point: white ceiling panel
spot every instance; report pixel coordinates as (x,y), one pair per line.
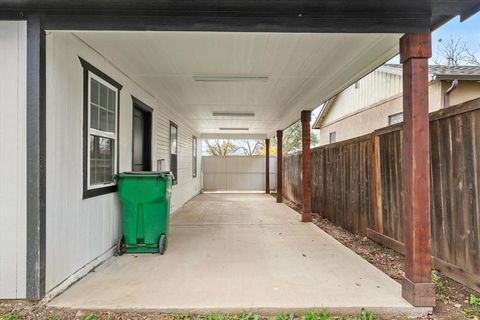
(303,71)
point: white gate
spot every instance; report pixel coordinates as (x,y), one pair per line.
(237,173)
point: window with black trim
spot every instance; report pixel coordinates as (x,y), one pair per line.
(173,151)
(101,108)
(194,156)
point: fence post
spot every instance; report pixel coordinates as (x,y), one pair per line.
(279,166)
(267,166)
(377,184)
(306,167)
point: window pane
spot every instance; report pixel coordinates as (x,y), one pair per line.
(94,91)
(102,107)
(93,157)
(103,124)
(173,140)
(101,160)
(395,118)
(111,122)
(103,96)
(333,137)
(111,100)
(194,147)
(108,172)
(94,117)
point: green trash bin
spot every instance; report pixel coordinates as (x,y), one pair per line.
(145,198)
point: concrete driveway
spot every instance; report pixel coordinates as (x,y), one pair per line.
(240,252)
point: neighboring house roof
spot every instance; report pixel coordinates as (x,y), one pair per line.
(441,72)
(436,72)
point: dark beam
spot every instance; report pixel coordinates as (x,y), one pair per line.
(367,16)
(267,166)
(36,160)
(417,286)
(306,117)
(279,166)
(232,23)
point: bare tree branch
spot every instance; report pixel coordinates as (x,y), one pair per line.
(455,51)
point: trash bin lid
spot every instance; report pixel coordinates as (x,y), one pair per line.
(146,172)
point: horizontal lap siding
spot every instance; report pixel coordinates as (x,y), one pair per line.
(78,231)
(186,186)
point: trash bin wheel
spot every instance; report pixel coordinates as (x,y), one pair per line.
(162,244)
(120,247)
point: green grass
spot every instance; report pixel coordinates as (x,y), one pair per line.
(474,309)
(367,258)
(440,286)
(364,315)
(91,316)
(324,315)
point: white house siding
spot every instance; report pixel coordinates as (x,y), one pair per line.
(12,159)
(78,231)
(374,87)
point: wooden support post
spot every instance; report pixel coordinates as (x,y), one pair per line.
(279,166)
(267,166)
(306,167)
(417,286)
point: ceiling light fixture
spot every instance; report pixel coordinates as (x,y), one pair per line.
(233,114)
(229,78)
(233,129)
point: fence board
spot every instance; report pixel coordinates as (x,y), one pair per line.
(454,176)
(340,183)
(292,180)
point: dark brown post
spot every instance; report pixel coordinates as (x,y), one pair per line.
(417,286)
(267,166)
(306,167)
(279,166)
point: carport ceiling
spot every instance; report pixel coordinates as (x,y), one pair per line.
(273,75)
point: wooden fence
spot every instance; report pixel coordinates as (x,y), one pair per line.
(357,184)
(292,181)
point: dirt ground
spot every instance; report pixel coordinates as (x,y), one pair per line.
(452,297)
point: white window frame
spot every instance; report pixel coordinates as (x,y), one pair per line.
(393,118)
(333,135)
(100,133)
